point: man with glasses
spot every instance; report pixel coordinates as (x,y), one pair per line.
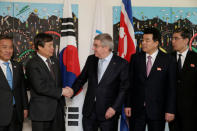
(186,114)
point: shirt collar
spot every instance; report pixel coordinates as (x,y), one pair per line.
(153,55)
(184,53)
(42,57)
(108,58)
(1,62)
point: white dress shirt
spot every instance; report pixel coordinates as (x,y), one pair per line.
(105,63)
(3,67)
(44,59)
(153,57)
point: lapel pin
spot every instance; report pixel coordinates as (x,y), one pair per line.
(158,68)
(14,66)
(192,65)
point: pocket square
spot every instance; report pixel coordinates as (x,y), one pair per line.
(192,65)
(158,69)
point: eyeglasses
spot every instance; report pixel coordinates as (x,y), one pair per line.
(176,38)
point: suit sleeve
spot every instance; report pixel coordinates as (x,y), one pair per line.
(171,92)
(124,85)
(23,89)
(128,100)
(82,78)
(39,84)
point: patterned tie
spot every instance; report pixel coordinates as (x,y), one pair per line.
(9,77)
(100,69)
(148,66)
(50,68)
(179,63)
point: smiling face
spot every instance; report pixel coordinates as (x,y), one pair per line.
(47,50)
(6,49)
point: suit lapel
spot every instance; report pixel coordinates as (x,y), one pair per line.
(4,80)
(109,69)
(155,64)
(143,61)
(14,70)
(43,65)
(187,60)
(96,69)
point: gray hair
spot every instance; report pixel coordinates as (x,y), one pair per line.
(106,40)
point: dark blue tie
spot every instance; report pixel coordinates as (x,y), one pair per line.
(9,77)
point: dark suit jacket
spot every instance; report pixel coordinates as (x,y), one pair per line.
(187,87)
(157,91)
(45,91)
(110,92)
(6,95)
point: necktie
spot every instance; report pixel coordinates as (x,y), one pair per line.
(50,68)
(100,69)
(179,62)
(148,66)
(9,77)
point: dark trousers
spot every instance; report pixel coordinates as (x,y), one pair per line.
(91,123)
(15,124)
(183,124)
(139,121)
(57,124)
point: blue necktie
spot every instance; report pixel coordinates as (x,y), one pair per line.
(9,77)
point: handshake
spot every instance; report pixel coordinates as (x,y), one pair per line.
(67,92)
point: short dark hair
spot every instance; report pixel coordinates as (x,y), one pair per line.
(155,32)
(185,33)
(2,37)
(41,38)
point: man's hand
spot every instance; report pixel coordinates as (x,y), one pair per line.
(67,92)
(25,113)
(169,117)
(109,113)
(127,111)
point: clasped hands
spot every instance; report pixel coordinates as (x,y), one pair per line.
(67,92)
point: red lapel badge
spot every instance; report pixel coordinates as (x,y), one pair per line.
(192,65)
(158,68)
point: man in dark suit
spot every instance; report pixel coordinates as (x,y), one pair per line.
(107,76)
(186,114)
(13,96)
(46,107)
(151,99)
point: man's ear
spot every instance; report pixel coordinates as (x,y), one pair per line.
(39,47)
(186,41)
(157,43)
